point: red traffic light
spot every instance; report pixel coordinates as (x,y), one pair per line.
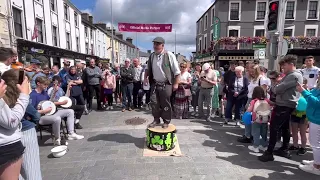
(274,6)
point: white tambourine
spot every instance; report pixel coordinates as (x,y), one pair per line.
(69,103)
(47,104)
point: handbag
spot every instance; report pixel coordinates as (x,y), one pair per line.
(187,92)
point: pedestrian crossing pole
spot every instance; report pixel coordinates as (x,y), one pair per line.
(275,45)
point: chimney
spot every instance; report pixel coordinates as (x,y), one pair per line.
(149,51)
(119,35)
(109,30)
(85,16)
(102,25)
(91,19)
(129,39)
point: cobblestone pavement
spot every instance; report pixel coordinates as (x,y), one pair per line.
(113,150)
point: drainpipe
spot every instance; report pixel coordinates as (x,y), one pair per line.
(9,19)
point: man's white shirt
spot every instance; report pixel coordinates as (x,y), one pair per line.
(311,74)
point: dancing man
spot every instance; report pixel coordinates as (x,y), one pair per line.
(164,74)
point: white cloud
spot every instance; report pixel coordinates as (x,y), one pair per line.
(183,14)
(89,11)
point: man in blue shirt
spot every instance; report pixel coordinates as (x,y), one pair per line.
(63,73)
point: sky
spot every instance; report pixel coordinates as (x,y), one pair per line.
(182,14)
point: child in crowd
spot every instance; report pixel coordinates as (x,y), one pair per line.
(299,123)
(109,86)
(261,112)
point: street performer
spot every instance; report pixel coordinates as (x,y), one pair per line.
(163,73)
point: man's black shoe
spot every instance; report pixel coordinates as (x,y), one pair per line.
(165,125)
(244,139)
(153,124)
(302,151)
(283,153)
(266,157)
(78,126)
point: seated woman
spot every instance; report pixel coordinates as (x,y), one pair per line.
(76,94)
(38,95)
(12,109)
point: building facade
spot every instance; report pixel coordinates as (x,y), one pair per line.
(49,30)
(101,44)
(245,18)
(4,28)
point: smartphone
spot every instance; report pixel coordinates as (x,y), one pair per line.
(21,76)
(203,77)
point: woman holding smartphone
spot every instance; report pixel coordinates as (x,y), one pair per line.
(12,110)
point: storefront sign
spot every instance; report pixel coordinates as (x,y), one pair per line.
(130,27)
(258,46)
(39,51)
(235,58)
(216,27)
(260,54)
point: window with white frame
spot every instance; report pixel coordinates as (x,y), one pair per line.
(212,15)
(289,32)
(200,44)
(86,31)
(87,48)
(53,5)
(234,11)
(258,31)
(16,13)
(68,43)
(290,9)
(78,44)
(201,26)
(312,12)
(234,31)
(211,35)
(205,22)
(66,12)
(76,19)
(54,36)
(261,10)
(198,26)
(205,42)
(40,37)
(311,30)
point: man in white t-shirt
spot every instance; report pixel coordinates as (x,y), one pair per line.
(311,72)
(208,78)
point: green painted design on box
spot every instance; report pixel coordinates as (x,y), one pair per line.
(157,140)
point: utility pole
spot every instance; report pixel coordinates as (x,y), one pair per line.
(175,41)
(275,45)
(281,30)
(112,53)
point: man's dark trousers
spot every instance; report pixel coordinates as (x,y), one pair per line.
(280,122)
(160,102)
(136,87)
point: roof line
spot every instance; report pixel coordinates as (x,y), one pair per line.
(210,6)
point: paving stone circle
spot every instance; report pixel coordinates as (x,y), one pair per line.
(135,121)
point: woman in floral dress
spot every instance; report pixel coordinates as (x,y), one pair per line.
(181,103)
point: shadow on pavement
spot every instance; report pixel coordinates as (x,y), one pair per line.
(120,138)
(224,142)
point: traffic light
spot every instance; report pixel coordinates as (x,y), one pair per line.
(273,16)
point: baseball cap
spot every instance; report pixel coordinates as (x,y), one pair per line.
(35,61)
(159,40)
(205,66)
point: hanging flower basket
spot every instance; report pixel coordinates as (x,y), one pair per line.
(301,40)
